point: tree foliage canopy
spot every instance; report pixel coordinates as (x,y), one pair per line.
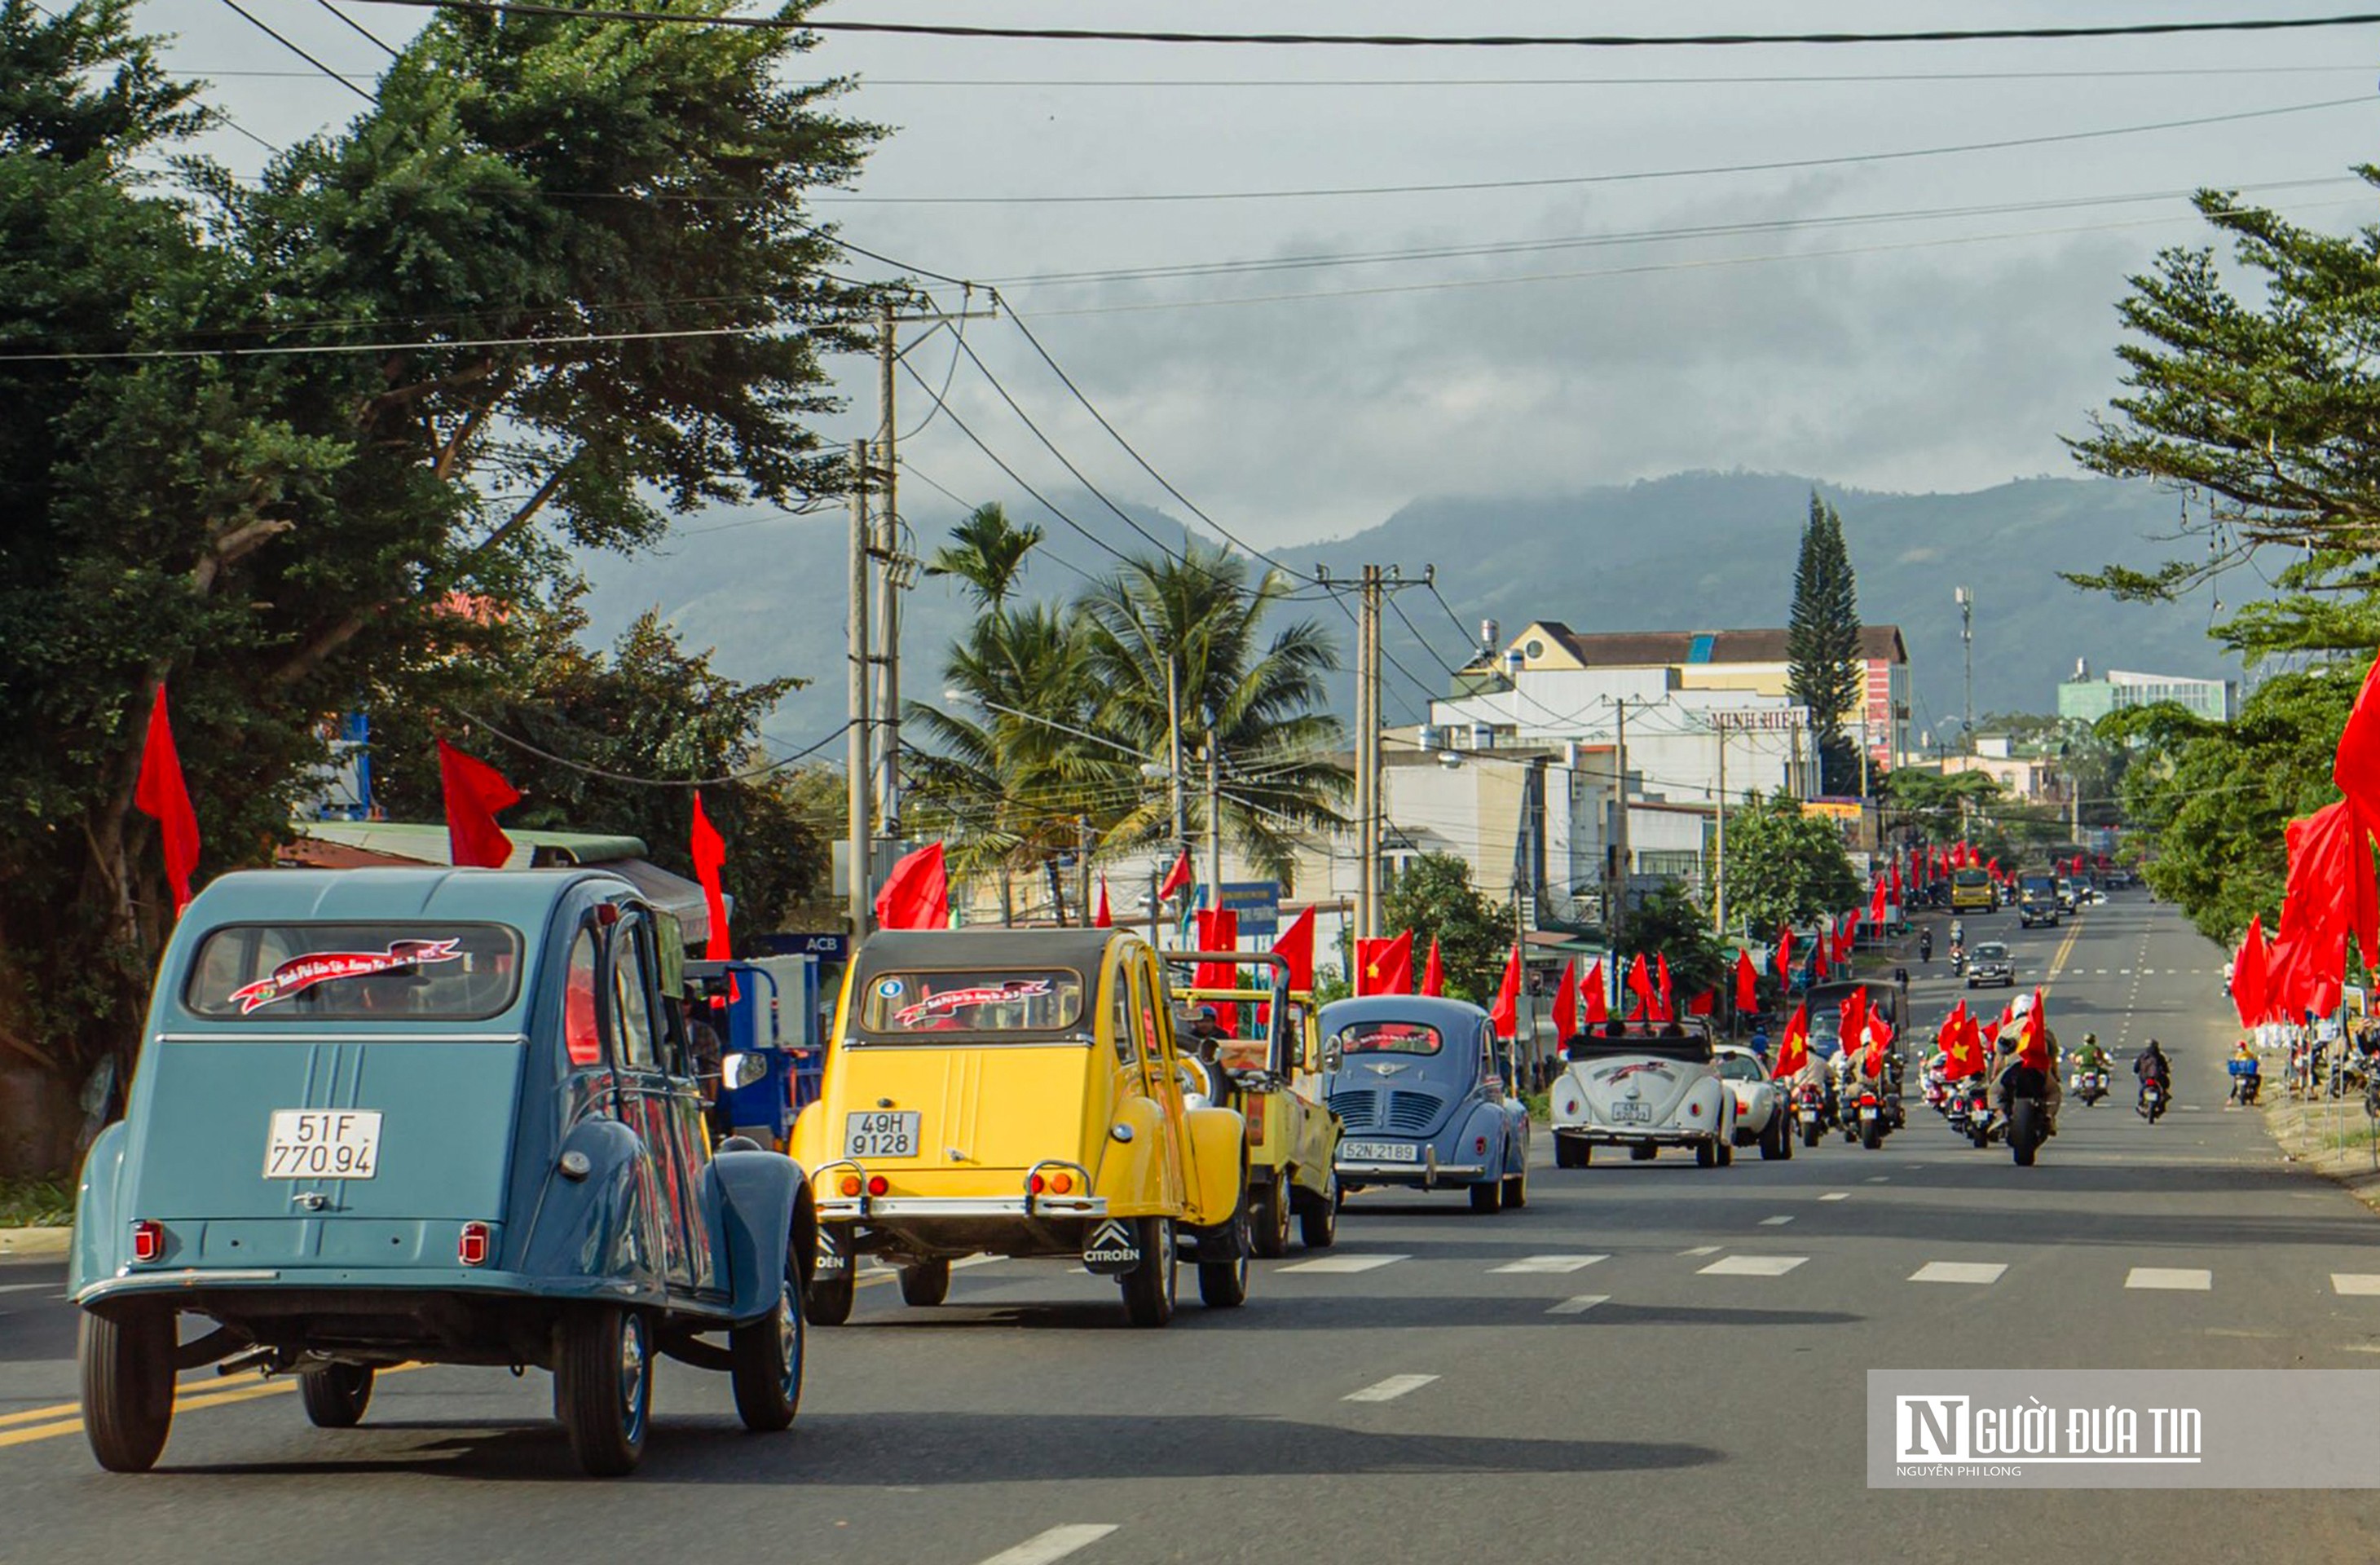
(1434,897)
(1786,867)
(1825,670)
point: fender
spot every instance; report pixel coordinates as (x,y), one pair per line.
(98,1226)
(596,1226)
(1216,1136)
(1486,1120)
(1129,1176)
(754,1194)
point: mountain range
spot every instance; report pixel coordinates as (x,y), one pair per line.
(1698,551)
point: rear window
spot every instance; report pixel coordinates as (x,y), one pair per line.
(1388,1037)
(439,972)
(1991,951)
(1039,1001)
(1736,1068)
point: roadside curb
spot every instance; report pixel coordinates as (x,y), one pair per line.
(2303,1130)
(35,1244)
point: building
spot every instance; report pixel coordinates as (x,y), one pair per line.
(2087,699)
(1740,661)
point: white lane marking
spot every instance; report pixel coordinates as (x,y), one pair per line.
(1836,1195)
(1752,1266)
(2236,1331)
(1703,1250)
(2360,1347)
(1549,1263)
(2182,1279)
(1879,1179)
(1774,1222)
(1581,1305)
(1347,1262)
(1388,1390)
(1981,1273)
(25,1287)
(1055,1544)
(2355,1284)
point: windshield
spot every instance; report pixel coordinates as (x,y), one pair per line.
(1388,1037)
(1736,1068)
(355,972)
(1970,878)
(1036,1001)
(1991,951)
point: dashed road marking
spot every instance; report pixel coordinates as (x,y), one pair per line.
(1345,1263)
(1879,1179)
(2355,1284)
(1980,1273)
(1055,1544)
(1774,1222)
(1533,1264)
(1752,1266)
(2179,1278)
(1836,1195)
(1388,1390)
(1581,1305)
(1703,1250)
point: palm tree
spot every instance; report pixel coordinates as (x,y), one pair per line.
(1183,669)
(987,553)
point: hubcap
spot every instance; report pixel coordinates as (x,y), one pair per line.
(789,1339)
(632,1376)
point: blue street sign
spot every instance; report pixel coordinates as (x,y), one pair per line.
(834,947)
(1256,901)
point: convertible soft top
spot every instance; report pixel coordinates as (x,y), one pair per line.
(1689,1042)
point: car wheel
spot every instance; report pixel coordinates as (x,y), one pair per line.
(827,1301)
(1488,1195)
(1705,1154)
(1317,1216)
(1569,1153)
(1726,1154)
(336,1395)
(1223,1285)
(926,1283)
(603,1387)
(1148,1287)
(1269,1232)
(1517,1188)
(127,1363)
(1774,1142)
(1643,1152)
(766,1360)
(1784,1138)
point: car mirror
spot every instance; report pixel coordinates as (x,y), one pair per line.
(744,1070)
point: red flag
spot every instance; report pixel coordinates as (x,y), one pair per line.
(1818,960)
(1785,955)
(1703,1004)
(1899,899)
(917,895)
(1219,929)
(2250,995)
(1854,1013)
(1669,1006)
(2033,1047)
(709,856)
(1963,1048)
(2356,768)
(163,796)
(1181,877)
(1875,907)
(1505,1015)
(1793,1054)
(1103,918)
(1566,1003)
(1433,972)
(1879,1043)
(1295,945)
(1747,984)
(475,791)
(1640,984)
(2331,887)
(1591,990)
(1385,966)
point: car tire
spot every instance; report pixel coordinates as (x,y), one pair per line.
(767,1357)
(828,1300)
(1148,1288)
(925,1284)
(603,1387)
(1569,1153)
(1223,1285)
(1705,1154)
(336,1395)
(1643,1152)
(1725,1153)
(1516,1187)
(1318,1216)
(1785,1138)
(127,1366)
(1488,1195)
(1775,1140)
(1269,1222)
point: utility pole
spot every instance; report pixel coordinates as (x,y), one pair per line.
(1718,872)
(1367,754)
(1966,601)
(888,548)
(861,878)
(1617,913)
(1214,821)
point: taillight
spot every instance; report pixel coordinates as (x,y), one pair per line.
(1256,1122)
(148,1240)
(877,1184)
(1061,1184)
(1035,1184)
(1867,1099)
(850,1185)
(471,1248)
(1480,1144)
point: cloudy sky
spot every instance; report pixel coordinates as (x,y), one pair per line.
(1884,315)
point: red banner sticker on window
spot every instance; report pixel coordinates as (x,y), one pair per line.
(302,973)
(951,1001)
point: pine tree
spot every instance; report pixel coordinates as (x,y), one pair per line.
(1825,671)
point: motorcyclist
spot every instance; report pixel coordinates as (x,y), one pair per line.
(2006,1070)
(2247,1071)
(1925,945)
(2151,1065)
(2090,1056)
(1958,931)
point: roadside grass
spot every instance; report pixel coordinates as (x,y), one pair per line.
(35,1203)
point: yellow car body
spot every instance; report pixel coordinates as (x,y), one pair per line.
(1017,1093)
(1274,1080)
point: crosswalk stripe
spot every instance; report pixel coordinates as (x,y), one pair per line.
(1581,1305)
(1054,1544)
(2355,1284)
(1981,1273)
(1703,1250)
(1345,1263)
(1836,1195)
(2179,1278)
(1529,1264)
(1752,1266)
(1388,1390)
(1774,1222)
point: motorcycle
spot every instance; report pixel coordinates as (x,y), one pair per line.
(2088,1085)
(1958,962)
(2247,1076)
(1811,1101)
(2028,1117)
(1873,1118)
(1975,1113)
(1926,947)
(2153,1101)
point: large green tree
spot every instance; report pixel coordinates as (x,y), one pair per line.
(1433,896)
(1785,866)
(1671,923)
(1825,670)
(555,282)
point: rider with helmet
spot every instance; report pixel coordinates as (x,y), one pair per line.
(2151,1065)
(2007,1065)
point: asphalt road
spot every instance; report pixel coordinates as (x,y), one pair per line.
(1651,1361)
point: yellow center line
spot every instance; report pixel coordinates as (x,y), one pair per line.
(188,1399)
(2065,949)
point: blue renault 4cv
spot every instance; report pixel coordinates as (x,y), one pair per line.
(385,1116)
(1427,1092)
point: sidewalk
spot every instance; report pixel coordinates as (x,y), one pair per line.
(2332,1136)
(35,1244)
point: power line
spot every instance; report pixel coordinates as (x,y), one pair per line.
(1576,180)
(1408,40)
(1307,83)
(301,53)
(366,34)
(520,744)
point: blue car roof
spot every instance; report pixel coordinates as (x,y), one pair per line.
(1447,1016)
(522,898)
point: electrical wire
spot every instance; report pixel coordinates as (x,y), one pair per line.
(366,34)
(1144,83)
(774,766)
(263,26)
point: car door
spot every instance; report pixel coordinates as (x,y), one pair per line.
(689,1131)
(1154,1026)
(636,1037)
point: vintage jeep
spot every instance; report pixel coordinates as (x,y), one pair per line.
(1426,1090)
(1018,1092)
(1266,1067)
(447,1116)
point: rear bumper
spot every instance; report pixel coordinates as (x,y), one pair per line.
(1633,1135)
(203,1285)
(895,1208)
(1424,1175)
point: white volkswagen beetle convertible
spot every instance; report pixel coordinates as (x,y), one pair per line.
(1763,1111)
(1643,1086)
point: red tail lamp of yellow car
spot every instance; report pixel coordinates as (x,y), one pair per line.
(850,1185)
(877,1184)
(1059,1183)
